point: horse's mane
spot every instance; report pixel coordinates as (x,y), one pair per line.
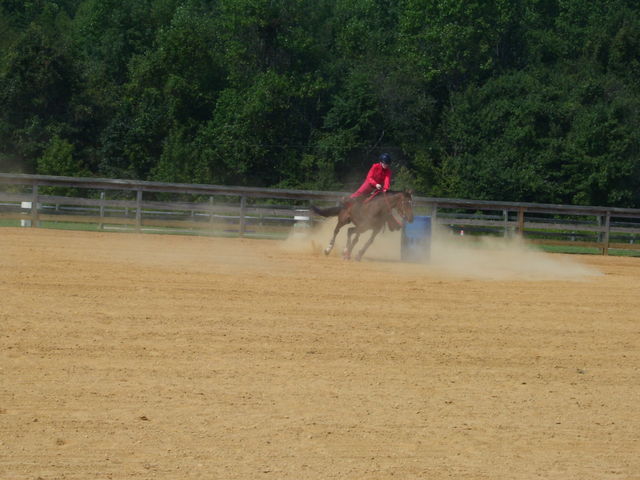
(380,197)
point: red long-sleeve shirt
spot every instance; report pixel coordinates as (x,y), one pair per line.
(377,175)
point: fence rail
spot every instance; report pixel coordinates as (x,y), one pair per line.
(39,200)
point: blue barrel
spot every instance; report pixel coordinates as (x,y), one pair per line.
(416,240)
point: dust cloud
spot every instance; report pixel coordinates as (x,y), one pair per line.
(479,257)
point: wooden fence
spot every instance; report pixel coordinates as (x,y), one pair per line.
(106,204)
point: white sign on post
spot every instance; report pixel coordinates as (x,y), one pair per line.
(25,206)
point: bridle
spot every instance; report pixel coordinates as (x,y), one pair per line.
(407,203)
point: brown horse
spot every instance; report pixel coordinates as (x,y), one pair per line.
(370,214)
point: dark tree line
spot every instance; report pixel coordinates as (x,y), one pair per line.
(522,100)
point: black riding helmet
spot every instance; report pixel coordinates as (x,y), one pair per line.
(385,158)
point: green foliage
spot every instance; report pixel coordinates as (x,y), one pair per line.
(37,83)
(533,100)
(456,42)
(555,138)
(243,142)
(58,159)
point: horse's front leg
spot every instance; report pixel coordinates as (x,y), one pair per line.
(351,241)
(368,244)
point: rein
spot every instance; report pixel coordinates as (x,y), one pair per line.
(372,196)
(384,195)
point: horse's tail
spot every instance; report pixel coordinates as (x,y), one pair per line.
(326,212)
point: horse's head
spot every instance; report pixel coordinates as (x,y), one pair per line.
(405,205)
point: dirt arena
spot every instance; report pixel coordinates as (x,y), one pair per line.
(127,356)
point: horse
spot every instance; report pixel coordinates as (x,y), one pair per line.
(370,214)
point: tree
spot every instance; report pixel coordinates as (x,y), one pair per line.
(36,88)
(533,136)
(58,159)
(256,134)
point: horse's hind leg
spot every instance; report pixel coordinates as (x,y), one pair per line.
(332,242)
(367,245)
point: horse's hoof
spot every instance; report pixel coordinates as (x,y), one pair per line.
(327,250)
(358,258)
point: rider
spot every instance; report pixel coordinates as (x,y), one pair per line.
(378,178)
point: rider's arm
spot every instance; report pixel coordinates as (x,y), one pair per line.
(370,176)
(387,181)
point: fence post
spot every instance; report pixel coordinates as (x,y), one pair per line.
(101,224)
(599,221)
(607,228)
(505,217)
(211,212)
(434,213)
(34,206)
(243,210)
(520,227)
(138,210)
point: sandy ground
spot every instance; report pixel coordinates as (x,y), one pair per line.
(167,357)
